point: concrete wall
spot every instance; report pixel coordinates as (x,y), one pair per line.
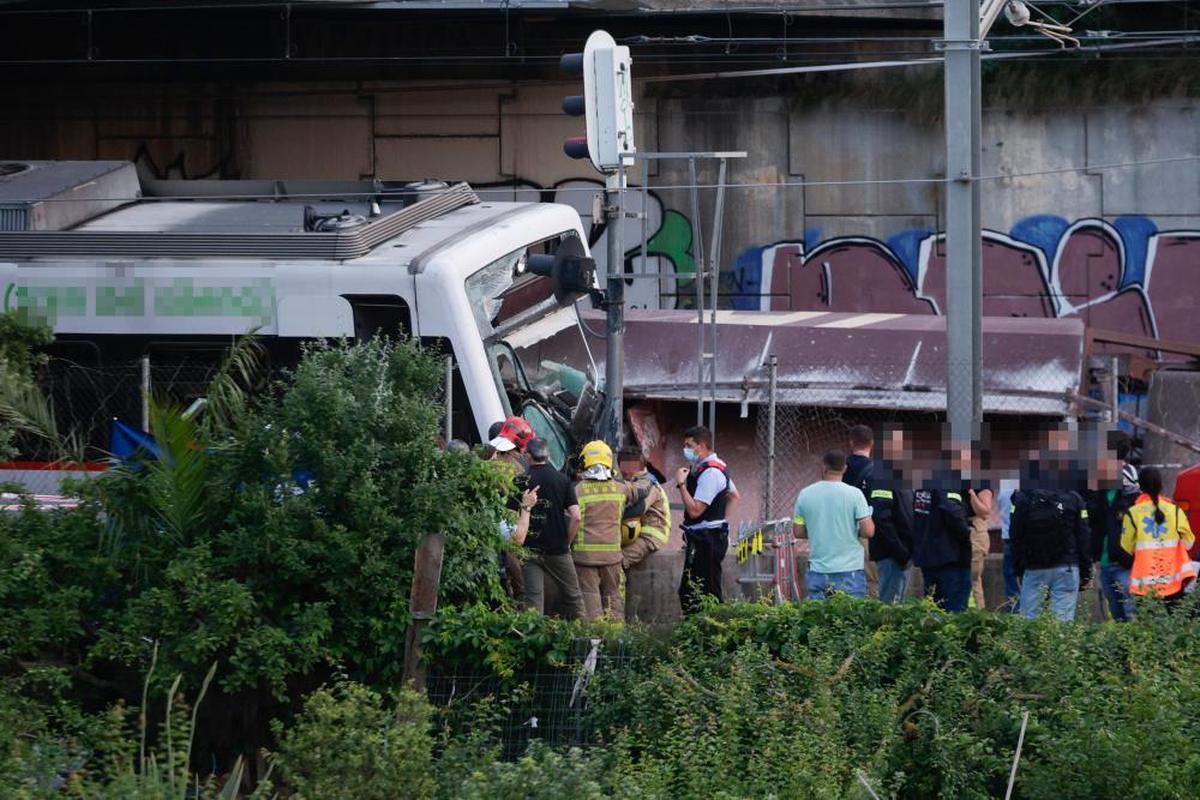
(1119,246)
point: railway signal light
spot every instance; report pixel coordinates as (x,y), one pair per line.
(606,103)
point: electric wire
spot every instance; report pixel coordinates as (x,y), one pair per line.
(785,184)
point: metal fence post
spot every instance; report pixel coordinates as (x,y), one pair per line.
(769,489)
(449,424)
(1114,390)
(145,394)
(698,262)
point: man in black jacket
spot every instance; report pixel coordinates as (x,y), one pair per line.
(1107,503)
(892,509)
(942,540)
(1051,545)
(859,474)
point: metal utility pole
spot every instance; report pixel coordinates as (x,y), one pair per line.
(964,249)
(614,362)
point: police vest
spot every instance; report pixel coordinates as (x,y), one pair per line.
(601,505)
(716,509)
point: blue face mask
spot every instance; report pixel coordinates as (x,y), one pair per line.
(689,455)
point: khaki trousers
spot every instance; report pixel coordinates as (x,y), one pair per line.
(560,570)
(601,588)
(981,543)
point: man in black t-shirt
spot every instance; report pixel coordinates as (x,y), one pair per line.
(859,471)
(552,528)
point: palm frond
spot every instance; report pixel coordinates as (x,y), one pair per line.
(23,408)
(230,389)
(178,480)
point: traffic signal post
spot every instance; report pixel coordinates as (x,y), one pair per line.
(607,107)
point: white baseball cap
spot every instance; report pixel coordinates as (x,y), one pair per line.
(502,445)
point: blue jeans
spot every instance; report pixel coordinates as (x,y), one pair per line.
(822,584)
(1012,587)
(950,587)
(1062,583)
(893,580)
(1114,586)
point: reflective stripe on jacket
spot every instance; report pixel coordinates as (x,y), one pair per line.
(1160,564)
(655,519)
(601,505)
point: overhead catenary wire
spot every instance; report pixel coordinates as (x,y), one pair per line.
(591,189)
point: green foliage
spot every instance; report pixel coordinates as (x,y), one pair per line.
(793,701)
(44,754)
(22,407)
(541,774)
(478,639)
(289,543)
(352,744)
(277,542)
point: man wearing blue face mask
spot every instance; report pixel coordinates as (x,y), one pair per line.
(708,494)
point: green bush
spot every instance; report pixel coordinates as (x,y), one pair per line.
(813,700)
(277,541)
(351,744)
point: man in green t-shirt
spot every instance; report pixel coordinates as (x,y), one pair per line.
(832,515)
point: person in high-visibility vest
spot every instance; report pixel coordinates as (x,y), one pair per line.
(597,548)
(1158,535)
(647,525)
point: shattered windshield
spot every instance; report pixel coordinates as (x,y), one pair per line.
(510,304)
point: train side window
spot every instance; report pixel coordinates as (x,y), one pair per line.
(374,314)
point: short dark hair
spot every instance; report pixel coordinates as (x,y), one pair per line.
(861,436)
(834,460)
(494,430)
(538,449)
(631,454)
(699,434)
(1121,442)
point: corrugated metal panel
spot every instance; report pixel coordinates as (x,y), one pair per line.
(839,360)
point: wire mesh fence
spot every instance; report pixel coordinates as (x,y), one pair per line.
(799,420)
(553,705)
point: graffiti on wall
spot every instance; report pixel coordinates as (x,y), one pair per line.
(1124,275)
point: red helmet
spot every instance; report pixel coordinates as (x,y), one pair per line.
(514,433)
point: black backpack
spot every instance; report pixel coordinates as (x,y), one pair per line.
(1045,532)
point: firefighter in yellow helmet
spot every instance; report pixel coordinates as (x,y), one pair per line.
(597,548)
(647,525)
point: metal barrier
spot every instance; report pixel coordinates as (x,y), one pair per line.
(767,555)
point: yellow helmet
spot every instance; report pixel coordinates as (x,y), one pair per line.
(597,452)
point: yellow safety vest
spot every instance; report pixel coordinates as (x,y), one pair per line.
(1160,559)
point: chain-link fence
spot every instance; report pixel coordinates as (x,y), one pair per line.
(553,705)
(88,399)
(797,421)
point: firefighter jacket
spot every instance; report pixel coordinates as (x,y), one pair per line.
(601,508)
(1160,558)
(651,517)
(941,533)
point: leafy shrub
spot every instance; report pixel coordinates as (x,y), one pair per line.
(541,774)
(277,541)
(351,744)
(480,640)
(813,700)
